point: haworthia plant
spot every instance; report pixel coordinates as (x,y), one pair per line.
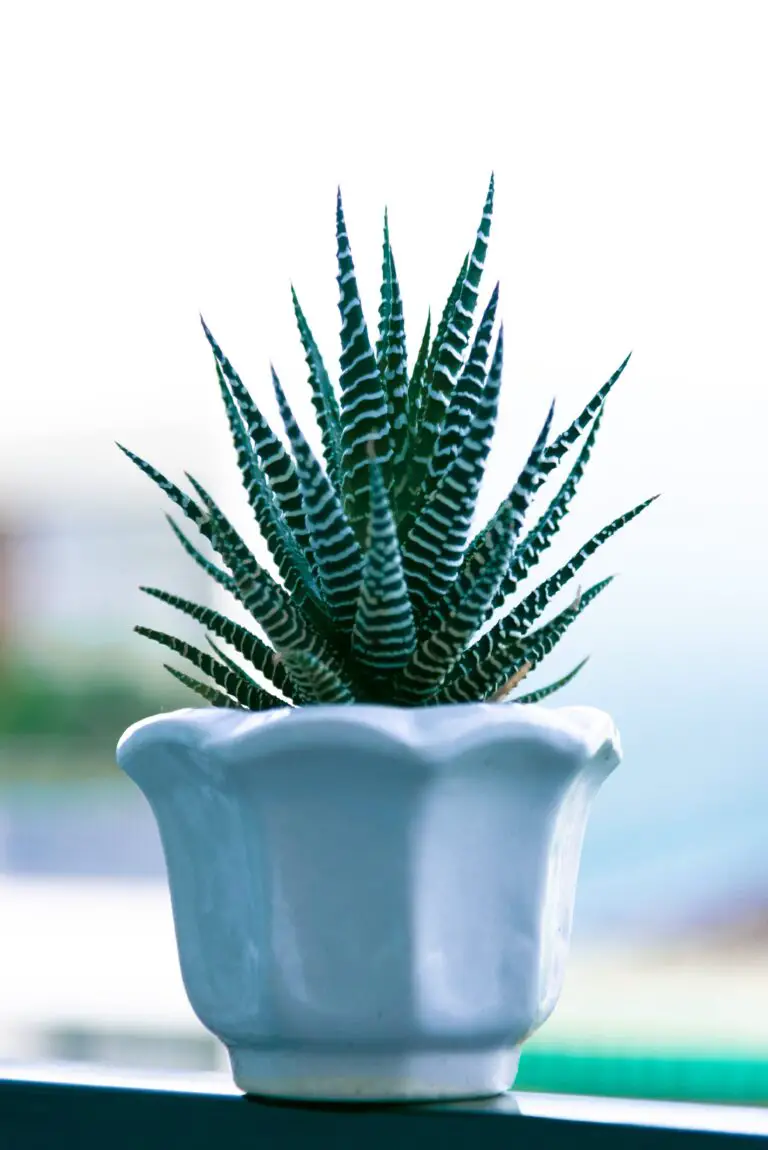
(380,595)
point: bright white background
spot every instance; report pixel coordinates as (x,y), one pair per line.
(164,158)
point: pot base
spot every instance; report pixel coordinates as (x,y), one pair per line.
(360,1076)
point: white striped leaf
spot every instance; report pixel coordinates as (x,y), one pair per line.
(317,681)
(223,578)
(574,430)
(233,682)
(504,650)
(323,398)
(393,366)
(364,413)
(250,646)
(211,695)
(518,502)
(384,634)
(542,533)
(450,352)
(282,622)
(291,563)
(544,692)
(520,618)
(277,463)
(437,654)
(338,558)
(466,395)
(434,548)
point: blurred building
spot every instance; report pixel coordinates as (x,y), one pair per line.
(80,530)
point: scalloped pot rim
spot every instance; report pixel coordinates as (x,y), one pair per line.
(444,733)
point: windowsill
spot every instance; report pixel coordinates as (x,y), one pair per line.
(72,1101)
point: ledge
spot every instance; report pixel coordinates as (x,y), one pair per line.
(89,1107)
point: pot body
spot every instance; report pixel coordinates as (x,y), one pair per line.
(372,903)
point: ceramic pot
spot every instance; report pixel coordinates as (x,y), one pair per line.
(372,903)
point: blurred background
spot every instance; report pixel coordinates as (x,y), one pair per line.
(165,159)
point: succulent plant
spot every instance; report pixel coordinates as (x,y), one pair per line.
(381,594)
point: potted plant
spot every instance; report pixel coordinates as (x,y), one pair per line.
(372,844)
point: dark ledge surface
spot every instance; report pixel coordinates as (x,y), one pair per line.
(42,1106)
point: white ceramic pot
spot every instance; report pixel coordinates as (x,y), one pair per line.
(371,902)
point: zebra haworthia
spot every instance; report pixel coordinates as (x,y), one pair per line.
(379,594)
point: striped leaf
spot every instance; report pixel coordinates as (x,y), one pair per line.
(572,432)
(394,370)
(318,682)
(291,564)
(415,387)
(205,690)
(364,412)
(235,666)
(182,500)
(419,388)
(436,655)
(534,603)
(435,545)
(337,554)
(277,463)
(501,652)
(385,306)
(544,692)
(223,578)
(517,502)
(384,635)
(400,476)
(520,618)
(323,398)
(450,352)
(282,622)
(250,646)
(541,535)
(466,395)
(233,682)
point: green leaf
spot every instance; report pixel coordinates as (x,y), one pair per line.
(385,306)
(419,371)
(400,475)
(419,390)
(518,502)
(281,620)
(450,352)
(564,440)
(384,635)
(515,624)
(182,500)
(250,646)
(544,692)
(434,548)
(323,398)
(318,682)
(338,557)
(277,463)
(291,563)
(394,370)
(364,412)
(209,693)
(504,650)
(534,603)
(465,397)
(235,666)
(223,578)
(541,535)
(234,683)
(436,655)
